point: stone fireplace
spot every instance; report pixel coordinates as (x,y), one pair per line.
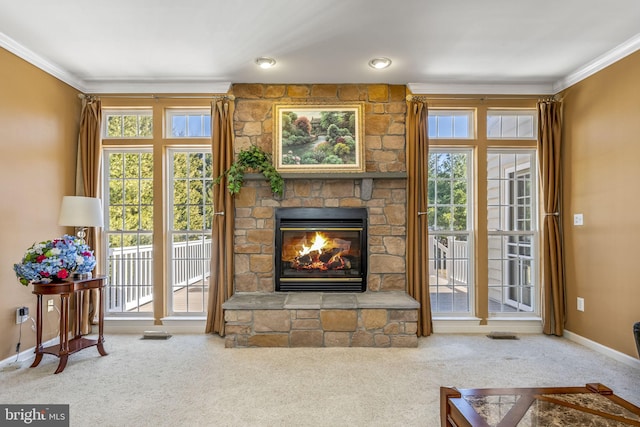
(363,305)
(321,249)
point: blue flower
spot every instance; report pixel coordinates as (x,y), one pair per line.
(55,259)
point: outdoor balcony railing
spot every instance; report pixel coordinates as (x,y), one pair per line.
(131,272)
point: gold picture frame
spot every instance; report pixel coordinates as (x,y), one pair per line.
(314,138)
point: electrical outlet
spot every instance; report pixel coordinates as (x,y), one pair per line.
(22,314)
(578,219)
(49,306)
(580,304)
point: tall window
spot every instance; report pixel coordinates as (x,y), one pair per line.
(191,214)
(128,191)
(157,188)
(450,231)
(482,210)
(512,230)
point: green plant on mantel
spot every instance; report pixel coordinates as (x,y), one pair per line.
(253,158)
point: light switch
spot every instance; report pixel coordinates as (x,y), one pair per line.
(577,219)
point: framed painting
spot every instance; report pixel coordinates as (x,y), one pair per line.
(318,138)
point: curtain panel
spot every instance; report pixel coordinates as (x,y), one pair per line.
(222,271)
(88,184)
(417,221)
(549,153)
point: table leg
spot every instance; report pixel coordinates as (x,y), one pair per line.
(101,322)
(64,323)
(63,363)
(38,349)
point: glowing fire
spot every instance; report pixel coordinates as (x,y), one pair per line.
(323,254)
(318,243)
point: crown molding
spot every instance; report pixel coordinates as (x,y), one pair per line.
(149,86)
(110,85)
(38,61)
(598,64)
(480,89)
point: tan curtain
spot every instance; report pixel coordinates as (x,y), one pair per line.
(221,278)
(417,222)
(89,153)
(549,152)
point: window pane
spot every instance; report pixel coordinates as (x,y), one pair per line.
(179,126)
(114,126)
(461,127)
(449,268)
(457,124)
(511,124)
(449,231)
(194,123)
(127,123)
(128,230)
(191,230)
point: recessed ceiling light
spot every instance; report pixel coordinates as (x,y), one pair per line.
(265,62)
(379,63)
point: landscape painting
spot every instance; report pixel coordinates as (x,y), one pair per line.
(318,138)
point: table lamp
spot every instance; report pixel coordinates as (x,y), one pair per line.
(80,212)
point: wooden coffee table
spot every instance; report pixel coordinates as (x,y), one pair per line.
(593,404)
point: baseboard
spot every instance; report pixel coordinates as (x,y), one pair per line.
(137,325)
(614,354)
(473,326)
(27,355)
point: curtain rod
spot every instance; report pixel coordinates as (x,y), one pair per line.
(425,98)
(151,96)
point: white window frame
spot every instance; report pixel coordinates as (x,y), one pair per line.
(534,233)
(106,112)
(469,233)
(171,232)
(119,310)
(170,113)
(470,113)
(518,112)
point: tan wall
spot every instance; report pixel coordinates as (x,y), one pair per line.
(38,133)
(601,154)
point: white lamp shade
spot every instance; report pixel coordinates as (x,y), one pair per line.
(78,211)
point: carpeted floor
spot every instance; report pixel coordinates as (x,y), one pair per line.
(192,380)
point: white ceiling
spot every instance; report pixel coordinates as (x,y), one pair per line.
(473,46)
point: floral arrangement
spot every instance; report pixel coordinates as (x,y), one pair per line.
(55,260)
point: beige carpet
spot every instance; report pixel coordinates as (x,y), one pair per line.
(192,380)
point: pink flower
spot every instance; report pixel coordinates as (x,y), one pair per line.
(40,258)
(63,274)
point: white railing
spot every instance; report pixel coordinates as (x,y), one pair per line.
(131,272)
(194,266)
(452,259)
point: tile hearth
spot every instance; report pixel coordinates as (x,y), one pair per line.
(319,319)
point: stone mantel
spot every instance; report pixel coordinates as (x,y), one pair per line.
(334,175)
(321,319)
(366,178)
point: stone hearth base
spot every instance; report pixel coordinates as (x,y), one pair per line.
(316,319)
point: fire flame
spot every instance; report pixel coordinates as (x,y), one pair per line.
(318,243)
(329,254)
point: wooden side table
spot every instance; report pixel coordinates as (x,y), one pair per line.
(78,342)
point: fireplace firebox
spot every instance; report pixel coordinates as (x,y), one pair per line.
(321,249)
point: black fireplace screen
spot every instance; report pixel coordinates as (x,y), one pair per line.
(321,249)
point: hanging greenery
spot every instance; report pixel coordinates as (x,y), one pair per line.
(253,158)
